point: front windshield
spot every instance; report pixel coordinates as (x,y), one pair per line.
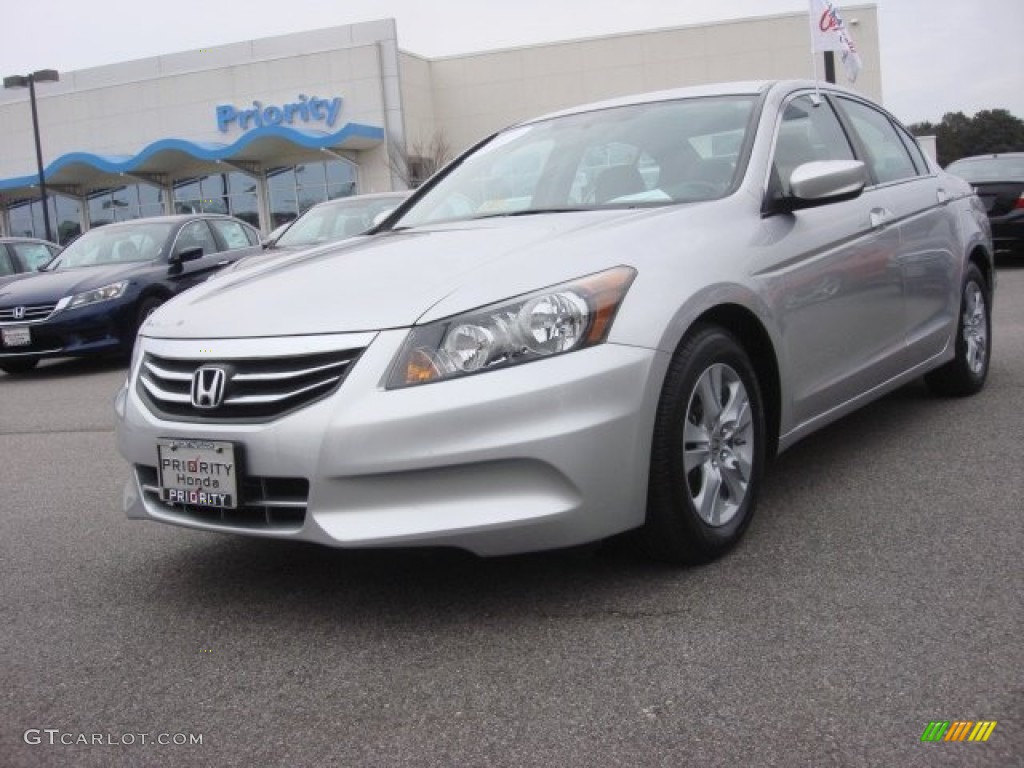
(336,220)
(658,153)
(114,245)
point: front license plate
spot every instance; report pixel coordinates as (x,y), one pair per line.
(198,472)
(19,336)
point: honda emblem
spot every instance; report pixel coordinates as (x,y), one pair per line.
(208,387)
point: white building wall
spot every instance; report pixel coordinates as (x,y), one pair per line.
(476,94)
(417,98)
(122,108)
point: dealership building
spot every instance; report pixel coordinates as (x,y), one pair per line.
(264,129)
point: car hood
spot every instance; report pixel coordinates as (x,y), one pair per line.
(50,287)
(394,279)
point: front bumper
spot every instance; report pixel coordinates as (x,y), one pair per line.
(101,329)
(544,455)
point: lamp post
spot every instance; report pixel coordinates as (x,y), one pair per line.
(29,81)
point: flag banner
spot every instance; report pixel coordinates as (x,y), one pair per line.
(830,33)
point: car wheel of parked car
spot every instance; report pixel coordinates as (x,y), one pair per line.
(965,374)
(146,308)
(18,366)
(707,453)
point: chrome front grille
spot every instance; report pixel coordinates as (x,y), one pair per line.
(265,503)
(245,390)
(29,313)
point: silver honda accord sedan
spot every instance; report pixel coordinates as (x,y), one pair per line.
(600,321)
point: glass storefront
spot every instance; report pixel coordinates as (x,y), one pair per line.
(133,201)
(294,190)
(26,219)
(291,191)
(230,193)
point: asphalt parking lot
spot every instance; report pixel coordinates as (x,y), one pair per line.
(879,589)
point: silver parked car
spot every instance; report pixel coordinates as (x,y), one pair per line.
(599,321)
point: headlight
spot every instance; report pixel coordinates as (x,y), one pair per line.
(551,321)
(107,292)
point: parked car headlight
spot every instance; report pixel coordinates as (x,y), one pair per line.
(562,318)
(107,292)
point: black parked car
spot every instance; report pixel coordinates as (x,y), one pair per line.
(23,255)
(92,298)
(999,182)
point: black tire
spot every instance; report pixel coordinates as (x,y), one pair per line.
(146,308)
(966,373)
(727,449)
(15,367)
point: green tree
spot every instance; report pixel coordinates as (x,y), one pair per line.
(989,131)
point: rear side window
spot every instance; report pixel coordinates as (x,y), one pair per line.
(232,233)
(916,153)
(888,156)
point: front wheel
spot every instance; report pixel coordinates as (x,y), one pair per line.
(965,374)
(707,455)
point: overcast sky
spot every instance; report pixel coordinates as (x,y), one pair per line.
(938,56)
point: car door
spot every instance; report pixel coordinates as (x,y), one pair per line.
(918,204)
(194,235)
(833,272)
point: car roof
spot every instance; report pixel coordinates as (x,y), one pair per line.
(176,218)
(992,156)
(17,239)
(399,195)
(734,88)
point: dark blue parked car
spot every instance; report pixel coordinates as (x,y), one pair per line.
(91,299)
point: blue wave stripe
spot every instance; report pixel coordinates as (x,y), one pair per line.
(200,149)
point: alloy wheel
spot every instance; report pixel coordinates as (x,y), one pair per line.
(718,449)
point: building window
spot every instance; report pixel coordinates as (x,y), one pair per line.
(295,189)
(229,193)
(65,218)
(133,201)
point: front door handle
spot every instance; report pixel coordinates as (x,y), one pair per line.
(880,217)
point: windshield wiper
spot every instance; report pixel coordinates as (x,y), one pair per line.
(526,212)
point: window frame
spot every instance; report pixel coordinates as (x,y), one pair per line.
(864,153)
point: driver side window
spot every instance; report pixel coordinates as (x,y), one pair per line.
(808,132)
(195,234)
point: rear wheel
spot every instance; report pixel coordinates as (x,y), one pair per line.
(708,450)
(965,374)
(18,366)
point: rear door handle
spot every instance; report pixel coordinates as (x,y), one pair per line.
(223,263)
(943,196)
(880,217)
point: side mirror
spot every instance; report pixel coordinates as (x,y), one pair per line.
(821,182)
(178,259)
